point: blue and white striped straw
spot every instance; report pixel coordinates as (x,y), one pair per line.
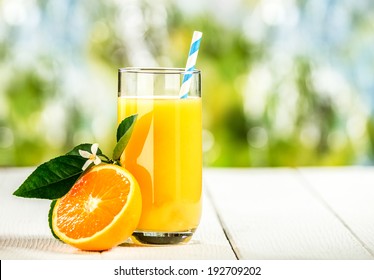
(190,65)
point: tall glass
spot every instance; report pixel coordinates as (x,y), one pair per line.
(165,150)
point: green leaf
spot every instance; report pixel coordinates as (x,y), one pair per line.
(52,179)
(124,132)
(125,125)
(84,147)
(50,213)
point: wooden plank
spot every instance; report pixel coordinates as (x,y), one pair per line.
(25,234)
(17,214)
(269,214)
(349,193)
(24,230)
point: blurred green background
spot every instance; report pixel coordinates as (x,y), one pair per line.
(285,83)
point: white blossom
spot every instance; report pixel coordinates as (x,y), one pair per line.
(91,157)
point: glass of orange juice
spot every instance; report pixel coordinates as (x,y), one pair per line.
(165,150)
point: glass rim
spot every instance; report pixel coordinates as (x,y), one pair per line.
(157,70)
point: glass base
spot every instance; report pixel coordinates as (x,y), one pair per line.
(161,238)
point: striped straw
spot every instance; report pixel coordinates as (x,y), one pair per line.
(190,65)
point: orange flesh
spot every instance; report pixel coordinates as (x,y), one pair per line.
(92,203)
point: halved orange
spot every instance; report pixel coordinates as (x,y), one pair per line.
(100,211)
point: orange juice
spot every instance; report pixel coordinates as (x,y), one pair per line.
(165,156)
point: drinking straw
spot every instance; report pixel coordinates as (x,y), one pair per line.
(190,65)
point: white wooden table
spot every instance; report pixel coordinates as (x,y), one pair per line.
(261,214)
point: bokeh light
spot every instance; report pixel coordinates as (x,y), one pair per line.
(285,83)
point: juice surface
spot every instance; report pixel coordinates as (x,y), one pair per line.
(165,156)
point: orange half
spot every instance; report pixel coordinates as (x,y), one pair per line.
(100,211)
